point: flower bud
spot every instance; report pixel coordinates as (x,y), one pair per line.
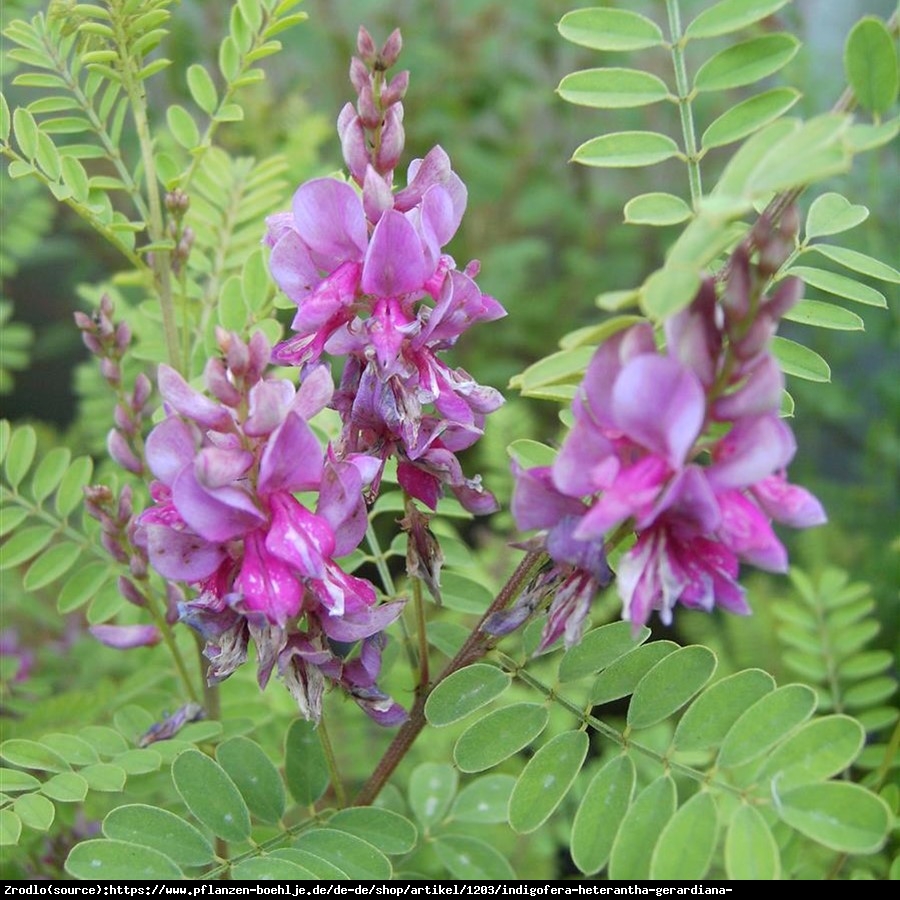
(353,144)
(130,592)
(123,337)
(123,419)
(360,77)
(121,453)
(392,139)
(143,387)
(369,114)
(396,89)
(390,50)
(111,371)
(260,355)
(113,547)
(220,387)
(366,46)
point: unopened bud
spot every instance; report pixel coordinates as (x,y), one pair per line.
(92,343)
(237,356)
(113,548)
(106,305)
(392,139)
(260,356)
(129,591)
(126,504)
(97,496)
(360,76)
(216,378)
(366,46)
(123,336)
(369,114)
(390,50)
(121,453)
(143,387)
(110,370)
(396,89)
(124,420)
(177,202)
(353,144)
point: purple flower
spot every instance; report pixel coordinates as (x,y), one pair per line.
(685,448)
(226,518)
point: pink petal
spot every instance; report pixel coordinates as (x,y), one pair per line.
(329,218)
(788,503)
(395,263)
(292,266)
(746,531)
(341,504)
(215,467)
(269,401)
(314,393)
(292,459)
(267,583)
(299,537)
(759,393)
(190,403)
(754,449)
(217,514)
(659,404)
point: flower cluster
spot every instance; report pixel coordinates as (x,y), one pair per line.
(365,265)
(226,520)
(683,446)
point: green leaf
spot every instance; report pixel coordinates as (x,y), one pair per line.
(824,315)
(498,735)
(70,492)
(5,119)
(840,285)
(858,262)
(620,679)
(10,828)
(106,860)
(159,829)
(305,766)
(600,648)
(729,16)
(104,777)
(870,60)
(669,289)
(139,761)
(26,131)
(255,776)
(390,832)
(795,359)
(65,787)
(468,858)
(656,208)
(600,814)
(751,853)
(75,176)
(465,691)
(82,586)
(746,62)
(610,29)
(24,544)
(20,454)
(820,749)
(843,816)
(484,800)
(593,335)
(564,366)
(832,213)
(229,59)
(640,829)
(765,723)
(35,811)
(862,137)
(51,564)
(106,741)
(612,88)
(528,453)
(11,517)
(626,149)
(202,88)
(12,781)
(748,116)
(463,593)
(685,847)
(432,787)
(71,748)
(270,868)
(709,718)
(211,795)
(670,684)
(32,755)
(546,780)
(358,858)
(183,127)
(320,868)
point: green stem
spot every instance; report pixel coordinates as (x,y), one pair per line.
(685,96)
(327,748)
(476,645)
(155,219)
(424,676)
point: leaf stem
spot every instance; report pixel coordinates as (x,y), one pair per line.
(328,749)
(685,96)
(476,645)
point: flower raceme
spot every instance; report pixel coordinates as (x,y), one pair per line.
(364,263)
(226,520)
(683,446)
